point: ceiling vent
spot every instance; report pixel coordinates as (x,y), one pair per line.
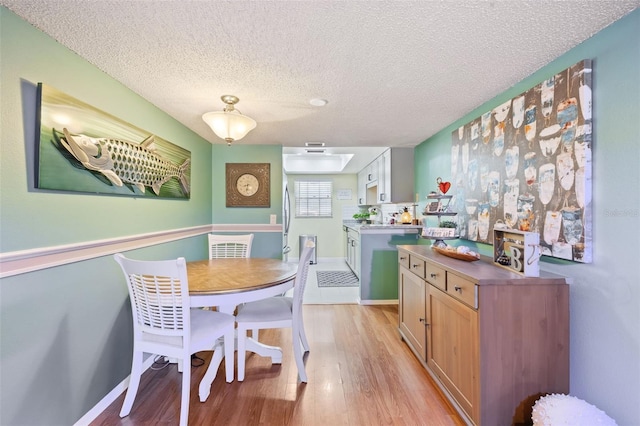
(315,151)
(314,144)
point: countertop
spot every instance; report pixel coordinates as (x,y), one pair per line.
(380,228)
(483,271)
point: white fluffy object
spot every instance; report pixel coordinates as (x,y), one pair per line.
(566,410)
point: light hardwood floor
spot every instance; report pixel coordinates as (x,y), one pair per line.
(360,373)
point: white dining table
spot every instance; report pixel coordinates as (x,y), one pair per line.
(227,283)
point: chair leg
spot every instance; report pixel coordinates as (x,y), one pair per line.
(186,391)
(303,335)
(212,370)
(134,382)
(229,353)
(242,336)
(297,352)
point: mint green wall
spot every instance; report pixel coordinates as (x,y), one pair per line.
(605,295)
(239,153)
(66,331)
(29,57)
(265,244)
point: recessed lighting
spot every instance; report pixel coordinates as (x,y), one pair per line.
(314,144)
(318,102)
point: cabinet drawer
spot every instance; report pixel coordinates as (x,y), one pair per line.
(416,265)
(436,276)
(403,259)
(463,290)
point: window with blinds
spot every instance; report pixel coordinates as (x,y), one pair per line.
(313,198)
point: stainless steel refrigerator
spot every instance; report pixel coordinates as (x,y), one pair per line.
(286,219)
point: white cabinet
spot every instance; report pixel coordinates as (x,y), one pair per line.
(352,250)
(362,187)
(372,172)
(384,176)
(388,179)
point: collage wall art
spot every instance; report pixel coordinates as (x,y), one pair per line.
(526,165)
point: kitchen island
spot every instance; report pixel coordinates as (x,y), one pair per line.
(372,255)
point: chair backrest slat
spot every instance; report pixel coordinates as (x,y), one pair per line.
(159,294)
(158,301)
(229,246)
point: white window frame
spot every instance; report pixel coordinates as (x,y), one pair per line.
(314,198)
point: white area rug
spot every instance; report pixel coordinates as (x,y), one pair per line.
(337,279)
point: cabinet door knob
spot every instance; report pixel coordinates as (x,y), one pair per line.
(458,289)
(415,265)
(433,275)
(402,258)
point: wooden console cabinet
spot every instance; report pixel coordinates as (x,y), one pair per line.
(493,340)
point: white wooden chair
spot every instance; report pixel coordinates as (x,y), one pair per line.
(278,312)
(164,323)
(226,246)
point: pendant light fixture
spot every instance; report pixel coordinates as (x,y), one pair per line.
(229,124)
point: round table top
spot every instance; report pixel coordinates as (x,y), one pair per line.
(220,276)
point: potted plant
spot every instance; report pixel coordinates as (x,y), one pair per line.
(362,217)
(449,224)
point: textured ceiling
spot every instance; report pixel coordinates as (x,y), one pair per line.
(394,72)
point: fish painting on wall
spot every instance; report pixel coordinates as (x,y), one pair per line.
(535,166)
(83,149)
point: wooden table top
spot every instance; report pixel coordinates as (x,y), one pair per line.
(221,276)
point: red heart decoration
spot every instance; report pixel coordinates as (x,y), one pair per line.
(444,186)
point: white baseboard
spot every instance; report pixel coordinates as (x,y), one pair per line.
(105,402)
(378,302)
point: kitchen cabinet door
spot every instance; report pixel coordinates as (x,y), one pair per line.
(362,187)
(452,344)
(353,251)
(411,313)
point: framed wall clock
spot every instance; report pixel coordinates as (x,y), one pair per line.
(248,184)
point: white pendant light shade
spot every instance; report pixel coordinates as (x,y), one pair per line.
(229,124)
